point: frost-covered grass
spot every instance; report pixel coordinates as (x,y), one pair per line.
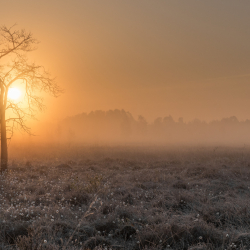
(127,198)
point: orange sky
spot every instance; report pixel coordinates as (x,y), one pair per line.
(187,59)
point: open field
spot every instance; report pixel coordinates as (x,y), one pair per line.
(126,198)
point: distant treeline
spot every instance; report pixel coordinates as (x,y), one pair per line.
(119,126)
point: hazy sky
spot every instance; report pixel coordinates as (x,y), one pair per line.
(187,59)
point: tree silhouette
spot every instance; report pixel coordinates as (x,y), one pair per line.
(14,66)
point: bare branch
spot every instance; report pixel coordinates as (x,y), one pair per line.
(16,41)
(35,79)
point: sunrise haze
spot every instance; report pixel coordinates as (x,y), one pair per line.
(124,124)
(187,59)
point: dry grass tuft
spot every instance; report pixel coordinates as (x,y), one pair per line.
(118,198)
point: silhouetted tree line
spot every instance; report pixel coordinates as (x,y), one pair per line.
(120,126)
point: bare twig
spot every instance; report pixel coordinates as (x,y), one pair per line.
(14,45)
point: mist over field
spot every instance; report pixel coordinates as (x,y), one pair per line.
(119,127)
(125,125)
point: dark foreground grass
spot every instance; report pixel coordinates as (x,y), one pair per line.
(127,199)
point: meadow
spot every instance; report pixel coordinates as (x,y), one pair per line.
(132,198)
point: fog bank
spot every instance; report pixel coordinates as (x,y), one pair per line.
(119,127)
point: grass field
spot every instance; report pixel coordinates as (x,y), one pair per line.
(126,198)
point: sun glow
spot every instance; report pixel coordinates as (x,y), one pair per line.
(14,93)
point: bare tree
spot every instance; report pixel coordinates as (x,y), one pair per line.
(14,66)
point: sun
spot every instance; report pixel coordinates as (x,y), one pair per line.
(14,93)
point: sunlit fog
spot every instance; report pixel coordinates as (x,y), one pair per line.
(124,125)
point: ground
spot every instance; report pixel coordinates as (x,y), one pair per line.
(126,198)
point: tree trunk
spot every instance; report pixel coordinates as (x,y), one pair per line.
(4,150)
